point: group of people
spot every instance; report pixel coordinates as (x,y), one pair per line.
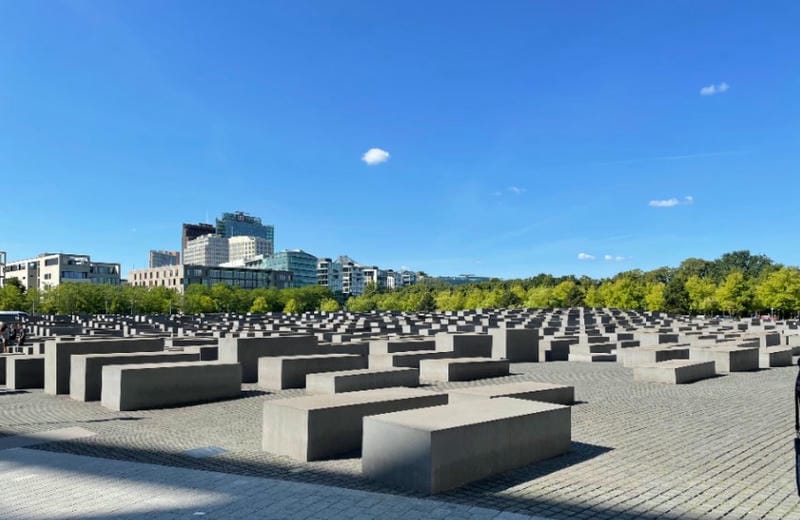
(11,335)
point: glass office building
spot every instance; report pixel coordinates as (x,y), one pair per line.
(241,224)
(302,265)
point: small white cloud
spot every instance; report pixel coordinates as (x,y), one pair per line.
(613,258)
(375,156)
(667,203)
(710,90)
(585,256)
(671,203)
(515,190)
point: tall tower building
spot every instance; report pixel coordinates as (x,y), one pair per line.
(241,224)
(191,231)
(164,258)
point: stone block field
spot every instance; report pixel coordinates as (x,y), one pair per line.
(552,413)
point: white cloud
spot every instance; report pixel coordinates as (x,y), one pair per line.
(667,203)
(670,203)
(375,156)
(612,258)
(515,190)
(585,256)
(712,89)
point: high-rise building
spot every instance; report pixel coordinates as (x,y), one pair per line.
(206,250)
(352,276)
(191,231)
(244,247)
(241,224)
(329,274)
(52,269)
(302,265)
(164,258)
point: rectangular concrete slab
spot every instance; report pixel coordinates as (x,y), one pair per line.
(676,371)
(159,385)
(515,345)
(364,379)
(432,450)
(528,390)
(282,372)
(57,354)
(727,358)
(25,372)
(404,359)
(462,369)
(86,371)
(317,427)
(247,351)
(464,345)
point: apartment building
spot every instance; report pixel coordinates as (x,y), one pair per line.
(51,269)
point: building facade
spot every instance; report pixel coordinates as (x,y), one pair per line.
(164,258)
(51,269)
(209,250)
(191,231)
(182,276)
(241,224)
(245,247)
(329,274)
(302,265)
(352,276)
(376,276)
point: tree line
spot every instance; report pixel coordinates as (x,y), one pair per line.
(737,283)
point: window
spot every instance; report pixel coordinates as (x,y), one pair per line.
(51,261)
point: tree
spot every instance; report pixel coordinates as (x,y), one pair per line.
(12,297)
(538,297)
(259,305)
(654,297)
(701,294)
(329,305)
(734,295)
(566,294)
(780,290)
(593,298)
(292,307)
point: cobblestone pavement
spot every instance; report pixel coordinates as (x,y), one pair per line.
(719,448)
(40,485)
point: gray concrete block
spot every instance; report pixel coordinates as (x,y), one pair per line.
(282,372)
(389,346)
(365,379)
(25,372)
(86,371)
(528,390)
(405,359)
(159,385)
(317,427)
(432,450)
(465,345)
(247,351)
(637,356)
(775,357)
(3,367)
(676,371)
(515,345)
(727,358)
(57,353)
(462,369)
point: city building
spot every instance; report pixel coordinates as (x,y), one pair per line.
(51,269)
(408,277)
(463,279)
(242,247)
(352,276)
(302,265)
(394,280)
(164,258)
(191,231)
(241,224)
(2,266)
(209,250)
(329,274)
(376,276)
(180,277)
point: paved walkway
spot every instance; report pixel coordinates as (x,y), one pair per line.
(719,448)
(40,485)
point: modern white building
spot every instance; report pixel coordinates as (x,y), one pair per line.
(209,249)
(377,276)
(329,274)
(51,269)
(245,247)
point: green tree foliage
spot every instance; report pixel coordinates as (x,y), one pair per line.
(329,305)
(780,290)
(654,296)
(734,294)
(701,293)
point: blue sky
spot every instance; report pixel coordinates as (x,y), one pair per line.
(520,134)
